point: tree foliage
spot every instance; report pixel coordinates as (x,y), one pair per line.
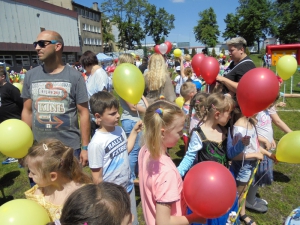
(107,35)
(287,20)
(158,23)
(193,52)
(253,21)
(207,29)
(137,18)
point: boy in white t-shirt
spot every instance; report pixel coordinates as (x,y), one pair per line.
(109,148)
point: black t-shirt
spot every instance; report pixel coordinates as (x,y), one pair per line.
(177,64)
(143,67)
(11,103)
(236,72)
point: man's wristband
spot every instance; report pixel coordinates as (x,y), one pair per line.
(85,147)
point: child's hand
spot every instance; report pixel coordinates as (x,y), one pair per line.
(273,144)
(139,126)
(273,157)
(267,145)
(246,140)
(259,156)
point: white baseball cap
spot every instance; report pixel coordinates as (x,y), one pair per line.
(177,68)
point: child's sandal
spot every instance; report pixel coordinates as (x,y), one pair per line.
(242,218)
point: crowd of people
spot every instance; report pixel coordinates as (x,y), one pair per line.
(75,123)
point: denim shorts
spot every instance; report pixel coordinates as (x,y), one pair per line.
(242,171)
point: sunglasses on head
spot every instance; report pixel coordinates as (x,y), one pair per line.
(44,43)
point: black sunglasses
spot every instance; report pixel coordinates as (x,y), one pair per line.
(42,43)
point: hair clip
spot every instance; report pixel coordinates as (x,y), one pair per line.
(46,149)
(159,111)
(197,101)
(161,97)
(85,223)
(214,107)
(57,222)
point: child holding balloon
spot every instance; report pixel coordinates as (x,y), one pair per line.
(208,141)
(160,182)
(56,172)
(242,165)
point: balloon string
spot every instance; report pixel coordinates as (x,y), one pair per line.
(137,111)
(283,99)
(208,89)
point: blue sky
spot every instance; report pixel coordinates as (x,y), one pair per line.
(186,15)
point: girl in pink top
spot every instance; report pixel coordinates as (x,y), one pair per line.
(159,180)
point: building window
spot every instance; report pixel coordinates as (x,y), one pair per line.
(91,15)
(22,60)
(64,58)
(84,26)
(71,58)
(35,60)
(82,12)
(85,41)
(76,10)
(99,31)
(7,59)
(86,13)
(97,17)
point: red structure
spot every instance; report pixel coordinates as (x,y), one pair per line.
(277,51)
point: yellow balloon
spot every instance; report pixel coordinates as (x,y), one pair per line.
(286,66)
(19,86)
(129,83)
(7,68)
(288,148)
(179,101)
(23,212)
(16,138)
(221,55)
(177,52)
(134,55)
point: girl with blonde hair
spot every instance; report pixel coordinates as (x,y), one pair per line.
(158,81)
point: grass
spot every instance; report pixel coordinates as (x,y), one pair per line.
(282,195)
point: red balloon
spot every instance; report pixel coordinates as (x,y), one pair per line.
(209,69)
(224,57)
(257,90)
(209,189)
(196,61)
(156,49)
(169,44)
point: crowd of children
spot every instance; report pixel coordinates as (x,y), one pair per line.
(212,128)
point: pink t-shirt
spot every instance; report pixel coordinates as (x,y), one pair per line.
(159,182)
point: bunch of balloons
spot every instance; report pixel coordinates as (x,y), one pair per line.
(257,90)
(129,82)
(209,189)
(16,138)
(286,66)
(163,48)
(206,67)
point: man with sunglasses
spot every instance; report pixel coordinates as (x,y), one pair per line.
(55,97)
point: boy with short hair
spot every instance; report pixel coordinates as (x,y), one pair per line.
(109,147)
(187,91)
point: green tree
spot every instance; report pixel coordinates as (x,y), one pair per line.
(255,20)
(207,29)
(193,52)
(247,51)
(107,35)
(223,51)
(232,26)
(287,20)
(126,14)
(158,23)
(186,51)
(213,52)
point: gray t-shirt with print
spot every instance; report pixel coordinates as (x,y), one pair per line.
(54,99)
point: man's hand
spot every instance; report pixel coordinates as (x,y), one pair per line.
(83,158)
